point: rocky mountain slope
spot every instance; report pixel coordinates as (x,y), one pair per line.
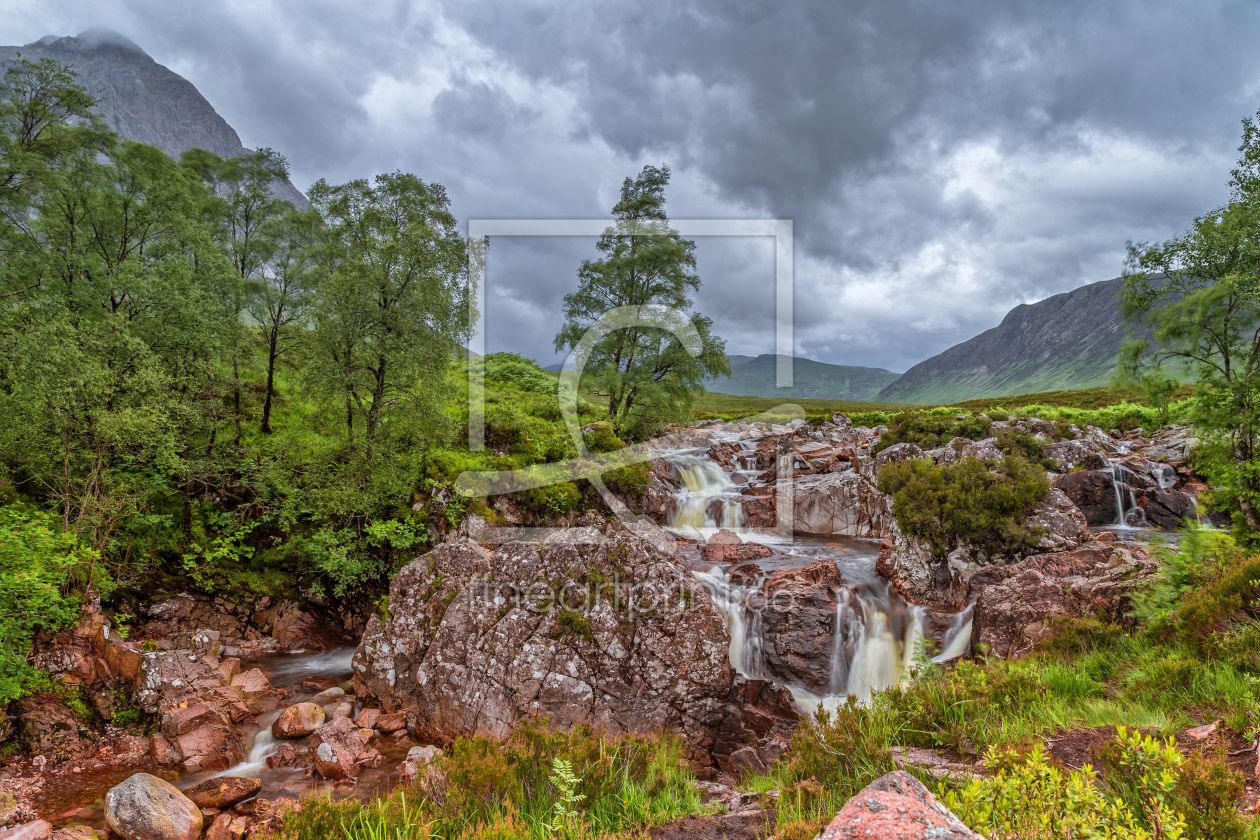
(754,376)
(1066,341)
(139,98)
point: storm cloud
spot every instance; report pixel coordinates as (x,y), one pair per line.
(941,162)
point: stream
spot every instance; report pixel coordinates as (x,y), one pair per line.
(879,635)
(78,798)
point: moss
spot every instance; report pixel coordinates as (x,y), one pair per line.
(573,623)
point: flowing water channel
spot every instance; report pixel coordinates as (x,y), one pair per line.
(79,798)
(877,636)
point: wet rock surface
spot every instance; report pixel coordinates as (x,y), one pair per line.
(466,647)
(145,807)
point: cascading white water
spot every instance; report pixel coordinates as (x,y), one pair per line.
(704,483)
(957,637)
(1118,481)
(264,745)
(839,640)
(884,635)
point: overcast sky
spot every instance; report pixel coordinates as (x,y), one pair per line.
(942,162)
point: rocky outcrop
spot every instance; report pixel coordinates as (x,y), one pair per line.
(339,749)
(608,631)
(1094,493)
(92,657)
(797,611)
(843,504)
(251,628)
(1059,523)
(1017,605)
(896,806)
(145,807)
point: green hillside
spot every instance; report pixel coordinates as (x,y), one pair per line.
(754,376)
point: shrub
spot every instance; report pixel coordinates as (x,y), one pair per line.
(966,502)
(929,431)
(602,438)
(39,565)
(1030,797)
(558,499)
(632,480)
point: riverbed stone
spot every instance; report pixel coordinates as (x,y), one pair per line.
(368,718)
(223,791)
(144,807)
(392,722)
(337,747)
(335,694)
(33,830)
(299,720)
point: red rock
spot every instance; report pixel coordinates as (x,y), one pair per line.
(298,720)
(161,751)
(319,683)
(337,747)
(896,807)
(251,683)
(391,722)
(368,718)
(223,791)
(34,830)
(215,746)
(720,545)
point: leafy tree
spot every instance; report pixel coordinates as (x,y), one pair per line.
(1200,293)
(243,209)
(395,302)
(280,305)
(645,372)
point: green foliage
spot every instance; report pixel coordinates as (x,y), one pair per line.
(42,570)
(559,499)
(1031,798)
(1198,291)
(969,501)
(930,429)
(540,783)
(573,623)
(602,438)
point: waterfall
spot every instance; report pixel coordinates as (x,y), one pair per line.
(1117,481)
(958,637)
(744,625)
(264,745)
(839,654)
(705,483)
(881,661)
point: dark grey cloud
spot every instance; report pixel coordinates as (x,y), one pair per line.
(942,162)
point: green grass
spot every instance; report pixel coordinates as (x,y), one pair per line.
(484,788)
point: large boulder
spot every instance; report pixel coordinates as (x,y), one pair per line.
(298,721)
(1059,522)
(1016,605)
(797,611)
(338,747)
(611,632)
(1094,492)
(896,806)
(1070,454)
(219,625)
(842,504)
(144,807)
(47,726)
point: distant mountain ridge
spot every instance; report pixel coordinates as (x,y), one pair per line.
(1066,341)
(754,376)
(140,99)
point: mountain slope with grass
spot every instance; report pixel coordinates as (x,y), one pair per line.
(754,376)
(141,99)
(1066,341)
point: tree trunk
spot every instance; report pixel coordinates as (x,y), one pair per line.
(273,340)
(236,395)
